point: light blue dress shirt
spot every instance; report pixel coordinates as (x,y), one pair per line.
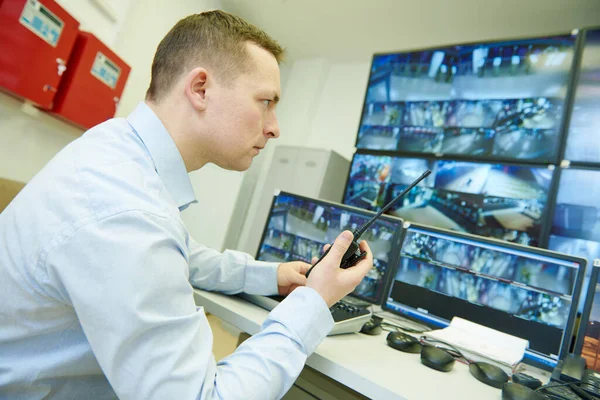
(96,274)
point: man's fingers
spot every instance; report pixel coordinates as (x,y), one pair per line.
(326,247)
(364,246)
(314,260)
(304,266)
(298,280)
(339,247)
(363,266)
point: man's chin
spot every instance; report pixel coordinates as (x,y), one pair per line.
(240,165)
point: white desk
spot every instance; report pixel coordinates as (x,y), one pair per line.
(361,362)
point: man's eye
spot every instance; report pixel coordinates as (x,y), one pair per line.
(267,102)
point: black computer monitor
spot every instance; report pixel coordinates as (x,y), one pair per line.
(501,100)
(298,227)
(588,335)
(503,201)
(523,291)
(584,127)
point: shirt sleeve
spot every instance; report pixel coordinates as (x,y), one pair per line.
(231,271)
(127,278)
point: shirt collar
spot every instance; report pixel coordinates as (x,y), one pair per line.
(167,159)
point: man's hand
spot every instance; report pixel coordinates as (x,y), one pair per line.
(290,275)
(333,282)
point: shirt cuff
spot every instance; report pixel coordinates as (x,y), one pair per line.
(305,312)
(261,278)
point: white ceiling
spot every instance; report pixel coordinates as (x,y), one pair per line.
(352,30)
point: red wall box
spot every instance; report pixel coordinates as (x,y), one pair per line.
(93,83)
(36,39)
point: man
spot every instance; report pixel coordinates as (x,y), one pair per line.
(96,263)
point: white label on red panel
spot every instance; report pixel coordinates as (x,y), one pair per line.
(41,21)
(106,71)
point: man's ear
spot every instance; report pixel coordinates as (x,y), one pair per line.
(196,83)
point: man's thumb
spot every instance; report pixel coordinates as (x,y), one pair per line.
(339,247)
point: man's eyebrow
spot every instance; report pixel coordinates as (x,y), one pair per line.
(275,98)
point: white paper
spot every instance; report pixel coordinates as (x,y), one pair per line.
(478,339)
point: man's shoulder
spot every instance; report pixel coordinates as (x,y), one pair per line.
(106,171)
(116,171)
(108,143)
(95,177)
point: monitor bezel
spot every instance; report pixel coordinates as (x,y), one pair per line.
(582,39)
(544,234)
(560,146)
(558,174)
(587,309)
(395,246)
(569,330)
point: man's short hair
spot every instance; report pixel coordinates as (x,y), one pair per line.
(214,39)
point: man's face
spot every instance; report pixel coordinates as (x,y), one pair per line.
(242,114)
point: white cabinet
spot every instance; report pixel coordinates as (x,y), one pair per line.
(309,172)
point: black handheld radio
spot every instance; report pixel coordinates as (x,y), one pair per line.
(353,254)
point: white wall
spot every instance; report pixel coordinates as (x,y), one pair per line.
(335,123)
(103,18)
(28,139)
(147,23)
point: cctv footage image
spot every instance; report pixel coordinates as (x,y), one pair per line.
(496,100)
(526,292)
(297,229)
(495,200)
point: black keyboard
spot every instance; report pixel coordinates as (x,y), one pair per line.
(590,384)
(594,382)
(347,317)
(342,311)
(566,392)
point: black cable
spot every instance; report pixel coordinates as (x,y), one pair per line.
(576,387)
(423,329)
(552,396)
(553,385)
(388,327)
(400,328)
(458,353)
(581,392)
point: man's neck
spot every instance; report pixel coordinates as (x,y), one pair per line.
(174,120)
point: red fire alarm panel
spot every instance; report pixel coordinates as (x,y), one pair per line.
(36,39)
(93,83)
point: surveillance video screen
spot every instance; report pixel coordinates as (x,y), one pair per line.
(583,136)
(577,210)
(497,100)
(495,200)
(513,289)
(576,221)
(297,229)
(590,250)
